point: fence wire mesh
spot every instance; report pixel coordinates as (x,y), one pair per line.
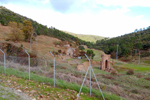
(44,67)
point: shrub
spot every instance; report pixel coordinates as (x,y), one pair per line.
(146,86)
(56,43)
(2,22)
(55,53)
(114,72)
(108,77)
(116,83)
(134,91)
(81,48)
(59,51)
(63,67)
(148,78)
(130,72)
(16,34)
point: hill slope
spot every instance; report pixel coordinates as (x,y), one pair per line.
(127,43)
(90,38)
(7,15)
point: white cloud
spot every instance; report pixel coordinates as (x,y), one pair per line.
(45,1)
(108,23)
(124,3)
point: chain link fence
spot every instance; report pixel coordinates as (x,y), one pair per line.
(44,68)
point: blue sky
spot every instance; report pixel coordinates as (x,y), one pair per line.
(108,18)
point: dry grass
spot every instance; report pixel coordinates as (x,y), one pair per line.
(3,31)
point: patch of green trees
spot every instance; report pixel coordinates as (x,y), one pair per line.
(136,40)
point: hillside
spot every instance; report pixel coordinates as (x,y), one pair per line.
(7,15)
(128,44)
(88,38)
(130,81)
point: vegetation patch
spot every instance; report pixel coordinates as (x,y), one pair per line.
(59,83)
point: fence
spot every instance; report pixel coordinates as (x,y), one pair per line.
(44,67)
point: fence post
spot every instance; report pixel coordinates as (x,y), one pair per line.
(54,66)
(117,53)
(90,67)
(139,57)
(4,61)
(28,62)
(89,71)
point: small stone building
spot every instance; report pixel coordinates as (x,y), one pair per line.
(105,62)
(70,52)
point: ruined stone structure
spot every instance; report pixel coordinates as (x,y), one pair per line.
(105,62)
(70,52)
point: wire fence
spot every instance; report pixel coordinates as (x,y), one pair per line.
(45,67)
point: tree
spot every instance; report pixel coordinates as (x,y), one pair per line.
(90,53)
(139,45)
(28,30)
(16,33)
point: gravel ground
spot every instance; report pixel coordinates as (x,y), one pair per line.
(12,94)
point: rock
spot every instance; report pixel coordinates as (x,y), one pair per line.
(33,99)
(15,82)
(33,91)
(19,90)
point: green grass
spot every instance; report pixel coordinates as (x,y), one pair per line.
(141,68)
(59,83)
(97,56)
(146,61)
(69,59)
(98,71)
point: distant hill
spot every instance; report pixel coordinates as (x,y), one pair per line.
(90,38)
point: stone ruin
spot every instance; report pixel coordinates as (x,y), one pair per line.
(70,52)
(105,63)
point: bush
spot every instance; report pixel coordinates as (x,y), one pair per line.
(114,72)
(90,53)
(130,72)
(134,91)
(55,53)
(56,43)
(81,48)
(2,22)
(59,51)
(16,34)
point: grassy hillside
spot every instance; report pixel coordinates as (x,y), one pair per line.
(90,38)
(7,15)
(40,87)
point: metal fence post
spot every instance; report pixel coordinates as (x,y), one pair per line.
(89,71)
(117,53)
(4,61)
(28,62)
(90,67)
(98,85)
(54,66)
(139,57)
(135,52)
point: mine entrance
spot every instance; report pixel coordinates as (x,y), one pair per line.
(106,63)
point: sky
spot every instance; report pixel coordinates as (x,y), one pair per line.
(107,18)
